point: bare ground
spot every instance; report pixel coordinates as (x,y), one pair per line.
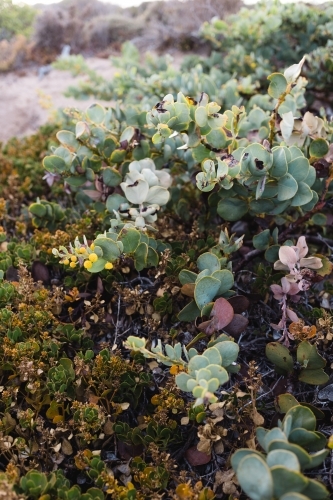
(23,96)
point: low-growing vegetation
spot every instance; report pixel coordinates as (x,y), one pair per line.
(166,276)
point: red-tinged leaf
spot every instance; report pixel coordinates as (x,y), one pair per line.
(222,313)
(195,457)
(94,195)
(237,325)
(239,303)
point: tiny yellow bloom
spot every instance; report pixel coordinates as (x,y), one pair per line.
(92,246)
(66,262)
(72,264)
(93,257)
(87,264)
(73,258)
(108,265)
(82,250)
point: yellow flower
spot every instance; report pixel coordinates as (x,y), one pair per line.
(92,246)
(108,265)
(82,250)
(87,264)
(72,264)
(73,259)
(66,262)
(93,257)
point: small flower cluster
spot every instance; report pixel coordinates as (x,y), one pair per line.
(300,276)
(81,254)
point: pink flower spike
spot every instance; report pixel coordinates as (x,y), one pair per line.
(285,285)
(294,289)
(277,292)
(288,256)
(302,247)
(292,315)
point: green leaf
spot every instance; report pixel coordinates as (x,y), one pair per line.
(302,417)
(130,239)
(118,156)
(114,201)
(110,249)
(226,279)
(315,490)
(294,496)
(186,277)
(140,256)
(232,209)
(97,266)
(76,181)
(190,312)
(261,240)
(229,351)
(280,356)
(242,453)
(181,381)
(272,253)
(54,164)
(308,356)
(217,139)
(152,258)
(287,187)
(111,177)
(255,478)
(299,168)
(96,113)
(303,196)
(311,441)
(284,458)
(201,116)
(318,148)
(313,377)
(261,206)
(302,455)
(285,402)
(68,140)
(205,290)
(286,481)
(127,134)
(280,164)
(278,85)
(208,261)
(38,210)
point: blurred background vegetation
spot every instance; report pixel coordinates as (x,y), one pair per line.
(95,28)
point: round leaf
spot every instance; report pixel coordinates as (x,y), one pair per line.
(205,290)
(232,209)
(255,478)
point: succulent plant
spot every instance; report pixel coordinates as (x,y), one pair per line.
(61,377)
(205,373)
(210,283)
(288,449)
(310,362)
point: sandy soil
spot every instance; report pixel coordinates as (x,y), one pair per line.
(22,95)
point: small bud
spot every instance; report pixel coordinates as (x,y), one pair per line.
(108,265)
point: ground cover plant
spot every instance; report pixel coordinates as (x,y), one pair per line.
(166,285)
